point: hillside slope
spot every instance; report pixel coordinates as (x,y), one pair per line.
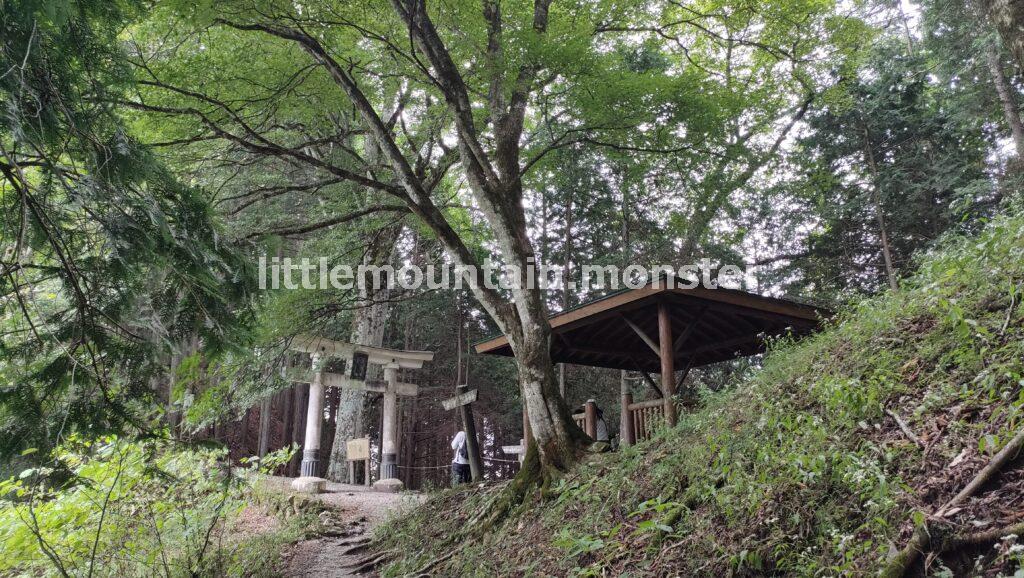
(804,467)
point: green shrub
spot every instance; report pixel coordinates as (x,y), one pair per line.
(126,508)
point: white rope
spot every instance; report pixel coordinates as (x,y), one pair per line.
(450,465)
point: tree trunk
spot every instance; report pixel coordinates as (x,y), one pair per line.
(288,414)
(876,200)
(907,37)
(409,443)
(1006,99)
(566,270)
(555,434)
(173,415)
(264,439)
(1008,18)
(368,329)
(301,398)
(495,179)
(243,434)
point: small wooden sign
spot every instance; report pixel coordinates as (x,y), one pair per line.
(357,449)
(519,450)
(359,362)
(459,400)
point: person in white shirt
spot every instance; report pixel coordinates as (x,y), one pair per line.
(460,460)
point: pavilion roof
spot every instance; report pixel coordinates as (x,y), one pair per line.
(620,330)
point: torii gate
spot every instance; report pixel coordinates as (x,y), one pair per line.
(357,356)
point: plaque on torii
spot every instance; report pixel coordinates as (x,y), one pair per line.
(356,357)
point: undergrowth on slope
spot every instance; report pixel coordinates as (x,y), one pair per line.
(802,468)
(118,507)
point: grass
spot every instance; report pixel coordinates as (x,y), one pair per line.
(800,468)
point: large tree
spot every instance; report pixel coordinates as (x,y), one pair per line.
(704,92)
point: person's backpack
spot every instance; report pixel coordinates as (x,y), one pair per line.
(462,452)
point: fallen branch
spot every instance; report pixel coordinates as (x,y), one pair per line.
(1009,451)
(921,537)
(906,429)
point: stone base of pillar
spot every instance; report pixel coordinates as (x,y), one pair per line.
(388,466)
(310,467)
(388,481)
(309,485)
(388,485)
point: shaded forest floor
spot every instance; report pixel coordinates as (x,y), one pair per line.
(824,461)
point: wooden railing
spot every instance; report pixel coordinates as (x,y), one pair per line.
(646,417)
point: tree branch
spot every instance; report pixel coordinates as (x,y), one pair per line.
(300,229)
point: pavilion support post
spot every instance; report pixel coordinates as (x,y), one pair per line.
(590,419)
(668,370)
(627,435)
(310,466)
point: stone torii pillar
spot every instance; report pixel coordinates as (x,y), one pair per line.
(389,429)
(310,467)
(392,388)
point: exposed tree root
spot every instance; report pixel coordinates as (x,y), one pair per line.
(371,562)
(982,538)
(425,570)
(922,538)
(533,475)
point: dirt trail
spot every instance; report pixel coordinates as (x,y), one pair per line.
(341,552)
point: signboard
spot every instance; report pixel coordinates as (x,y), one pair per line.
(459,400)
(357,449)
(359,361)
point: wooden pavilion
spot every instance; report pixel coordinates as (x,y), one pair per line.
(659,329)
